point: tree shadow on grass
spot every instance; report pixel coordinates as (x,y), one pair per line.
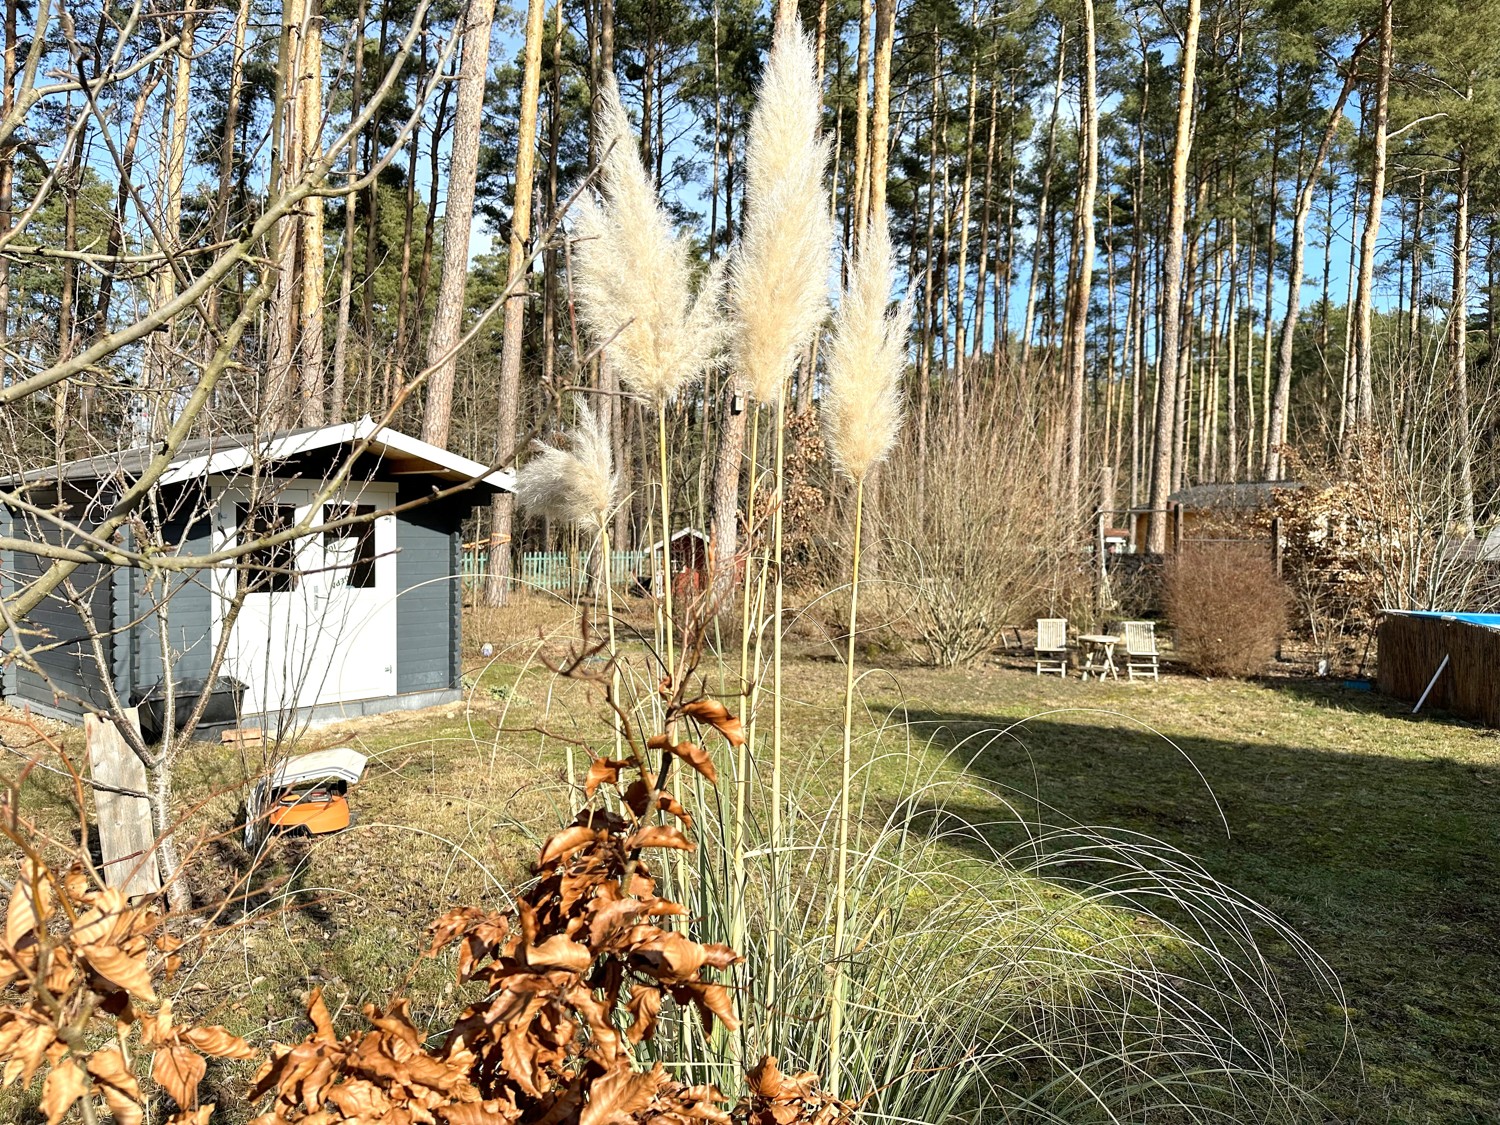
(1389,866)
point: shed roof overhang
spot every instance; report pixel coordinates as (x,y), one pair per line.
(233,453)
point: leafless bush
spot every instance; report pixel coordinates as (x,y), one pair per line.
(1386,526)
(975,541)
(1227,607)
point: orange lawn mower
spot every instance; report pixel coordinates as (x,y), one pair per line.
(306,796)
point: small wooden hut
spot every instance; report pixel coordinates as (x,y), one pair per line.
(689,563)
(1455,653)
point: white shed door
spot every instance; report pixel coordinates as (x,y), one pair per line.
(318,623)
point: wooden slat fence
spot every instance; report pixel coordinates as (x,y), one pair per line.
(554,570)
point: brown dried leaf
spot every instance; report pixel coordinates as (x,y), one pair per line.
(669,956)
(638,797)
(658,836)
(478,1113)
(720,956)
(75,883)
(118,1084)
(106,917)
(64,1085)
(711,1000)
(121,969)
(23,916)
(217,1042)
(322,1022)
(203,1115)
(669,804)
(560,952)
(644,1005)
(565,842)
(30,1037)
(178,1070)
(690,753)
(713,713)
(603,771)
(615,1098)
(108,1066)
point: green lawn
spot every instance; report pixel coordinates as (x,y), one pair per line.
(1374,834)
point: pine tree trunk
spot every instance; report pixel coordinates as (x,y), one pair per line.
(463,169)
(1042,224)
(161,348)
(1231,421)
(311,410)
(880,112)
(1078,330)
(859,201)
(1161,462)
(1309,187)
(1459,320)
(1273,204)
(337,393)
(984,274)
(497,578)
(1364,344)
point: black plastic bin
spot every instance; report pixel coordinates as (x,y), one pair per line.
(223,709)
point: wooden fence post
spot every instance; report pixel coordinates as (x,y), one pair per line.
(1276,544)
(1177,528)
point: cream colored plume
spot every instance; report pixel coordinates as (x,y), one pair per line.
(778,291)
(632,275)
(576,484)
(862,405)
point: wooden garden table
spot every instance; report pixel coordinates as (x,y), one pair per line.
(1099,654)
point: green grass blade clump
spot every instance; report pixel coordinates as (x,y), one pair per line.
(1082,975)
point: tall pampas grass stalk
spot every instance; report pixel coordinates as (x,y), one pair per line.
(633,278)
(778,291)
(861,417)
(576,482)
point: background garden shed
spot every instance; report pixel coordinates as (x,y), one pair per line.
(1458,654)
(353,620)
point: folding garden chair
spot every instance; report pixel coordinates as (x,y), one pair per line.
(1052,645)
(1140,650)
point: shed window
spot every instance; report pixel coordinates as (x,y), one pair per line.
(351,549)
(267,570)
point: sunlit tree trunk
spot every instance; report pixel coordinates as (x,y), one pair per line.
(1078,329)
(1161,462)
(1027,325)
(1458,320)
(337,393)
(1309,187)
(1364,345)
(448,313)
(497,578)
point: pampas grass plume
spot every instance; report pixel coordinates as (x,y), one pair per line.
(779,280)
(577,484)
(632,275)
(862,406)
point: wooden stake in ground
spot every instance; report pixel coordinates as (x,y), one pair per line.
(126,839)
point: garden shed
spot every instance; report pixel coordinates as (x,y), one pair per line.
(1213,511)
(352,620)
(1454,654)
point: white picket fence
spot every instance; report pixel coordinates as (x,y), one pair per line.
(555,570)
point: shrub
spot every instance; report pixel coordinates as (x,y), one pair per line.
(975,541)
(1227,607)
